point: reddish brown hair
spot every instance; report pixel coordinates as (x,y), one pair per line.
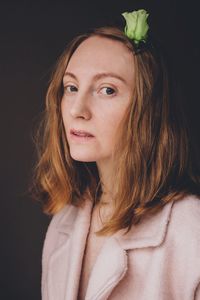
(153,158)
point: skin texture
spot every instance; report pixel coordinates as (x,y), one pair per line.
(97,105)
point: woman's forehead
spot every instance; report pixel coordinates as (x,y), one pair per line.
(99,54)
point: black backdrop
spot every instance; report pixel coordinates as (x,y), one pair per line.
(32,36)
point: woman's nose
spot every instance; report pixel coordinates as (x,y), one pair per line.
(81,107)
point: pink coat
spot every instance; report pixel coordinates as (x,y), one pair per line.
(158,259)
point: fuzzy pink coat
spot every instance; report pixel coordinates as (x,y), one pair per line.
(158,259)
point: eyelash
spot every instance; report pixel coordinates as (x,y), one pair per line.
(105,87)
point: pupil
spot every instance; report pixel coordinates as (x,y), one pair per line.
(109,91)
(73,88)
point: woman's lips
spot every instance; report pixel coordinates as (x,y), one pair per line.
(80,135)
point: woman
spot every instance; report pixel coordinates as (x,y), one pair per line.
(116,172)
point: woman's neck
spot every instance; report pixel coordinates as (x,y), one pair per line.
(105,174)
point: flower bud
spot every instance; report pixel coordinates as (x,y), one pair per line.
(136,25)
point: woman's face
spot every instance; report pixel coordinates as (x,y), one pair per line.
(98,85)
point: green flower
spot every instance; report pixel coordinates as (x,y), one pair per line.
(136,25)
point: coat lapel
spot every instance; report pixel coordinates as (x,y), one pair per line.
(110,267)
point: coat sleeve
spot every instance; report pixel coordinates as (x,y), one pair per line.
(46,252)
(49,246)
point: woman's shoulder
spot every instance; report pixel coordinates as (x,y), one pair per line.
(58,222)
(66,213)
(187,210)
(184,225)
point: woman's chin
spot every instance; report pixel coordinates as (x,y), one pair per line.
(83,157)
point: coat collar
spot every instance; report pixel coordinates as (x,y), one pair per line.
(149,233)
(73,228)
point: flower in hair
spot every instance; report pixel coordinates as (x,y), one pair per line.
(136,27)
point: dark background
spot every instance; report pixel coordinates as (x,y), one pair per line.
(32,36)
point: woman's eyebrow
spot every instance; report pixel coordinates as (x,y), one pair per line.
(99,76)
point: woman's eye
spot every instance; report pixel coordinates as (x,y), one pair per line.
(71,88)
(108,91)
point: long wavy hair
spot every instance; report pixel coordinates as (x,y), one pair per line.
(154,158)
